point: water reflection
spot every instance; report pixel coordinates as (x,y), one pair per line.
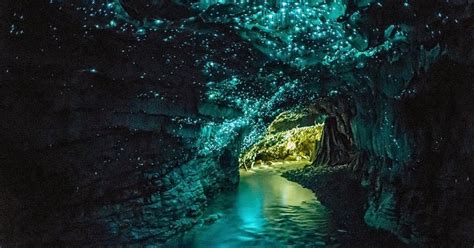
(265,211)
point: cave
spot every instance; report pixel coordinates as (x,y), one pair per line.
(293,136)
(216,123)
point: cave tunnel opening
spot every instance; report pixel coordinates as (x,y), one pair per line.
(319,135)
(267,209)
(291,139)
(269,202)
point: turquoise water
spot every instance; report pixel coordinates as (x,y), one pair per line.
(266,210)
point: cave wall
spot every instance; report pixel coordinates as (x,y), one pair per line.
(417,158)
(102,168)
(84,161)
(407,114)
(401,163)
(413,134)
(101,135)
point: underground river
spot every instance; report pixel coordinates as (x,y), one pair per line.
(266,210)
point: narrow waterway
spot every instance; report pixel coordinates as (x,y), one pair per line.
(266,210)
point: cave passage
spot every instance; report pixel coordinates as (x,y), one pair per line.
(266,210)
(291,136)
(218,123)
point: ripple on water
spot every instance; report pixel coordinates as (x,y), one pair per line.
(265,211)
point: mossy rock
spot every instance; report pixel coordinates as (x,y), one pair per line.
(291,145)
(288,120)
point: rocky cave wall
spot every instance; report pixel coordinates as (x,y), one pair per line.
(416,137)
(417,162)
(101,135)
(410,119)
